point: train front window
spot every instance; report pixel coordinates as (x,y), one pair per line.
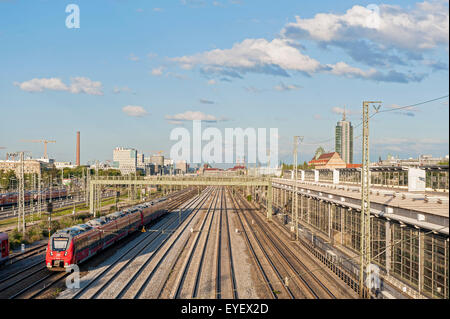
(59,244)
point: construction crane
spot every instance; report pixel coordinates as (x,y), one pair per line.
(41,141)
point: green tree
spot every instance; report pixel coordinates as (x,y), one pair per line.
(6,179)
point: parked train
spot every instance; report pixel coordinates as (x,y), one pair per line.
(76,244)
(4,247)
(10,199)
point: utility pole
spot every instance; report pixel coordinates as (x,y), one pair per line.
(39,192)
(21,191)
(294,215)
(365,200)
(97,191)
(21,201)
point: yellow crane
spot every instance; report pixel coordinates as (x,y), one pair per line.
(41,141)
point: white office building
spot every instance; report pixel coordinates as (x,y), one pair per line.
(125,159)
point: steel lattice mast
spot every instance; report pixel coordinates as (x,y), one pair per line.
(21,201)
(365,200)
(297,140)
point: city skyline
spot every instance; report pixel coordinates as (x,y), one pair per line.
(216,150)
(115,82)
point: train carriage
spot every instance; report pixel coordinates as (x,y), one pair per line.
(76,244)
(10,199)
(4,247)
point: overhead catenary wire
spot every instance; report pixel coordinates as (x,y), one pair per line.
(383,111)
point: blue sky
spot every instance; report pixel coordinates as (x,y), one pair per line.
(135,70)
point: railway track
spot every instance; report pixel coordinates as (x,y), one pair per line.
(189,255)
(11,211)
(100,286)
(340,287)
(161,272)
(299,270)
(272,280)
(35,280)
(14,258)
(188,282)
(225,267)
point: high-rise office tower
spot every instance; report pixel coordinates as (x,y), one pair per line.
(344,140)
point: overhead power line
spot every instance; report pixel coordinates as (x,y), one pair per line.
(383,111)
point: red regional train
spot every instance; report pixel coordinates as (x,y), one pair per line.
(4,247)
(76,244)
(9,199)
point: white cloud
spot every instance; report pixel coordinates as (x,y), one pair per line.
(78,85)
(410,145)
(252,55)
(341,110)
(342,68)
(134,111)
(175,122)
(118,90)
(158,9)
(423,27)
(85,85)
(191,116)
(158,71)
(38,85)
(287,87)
(212,82)
(278,57)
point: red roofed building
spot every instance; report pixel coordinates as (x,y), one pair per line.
(327,161)
(354,165)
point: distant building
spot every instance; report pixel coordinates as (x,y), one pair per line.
(422,160)
(125,159)
(140,162)
(30,166)
(61,165)
(169,166)
(182,166)
(158,160)
(327,161)
(48,161)
(344,140)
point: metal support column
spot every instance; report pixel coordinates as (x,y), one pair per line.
(269,200)
(91,198)
(365,257)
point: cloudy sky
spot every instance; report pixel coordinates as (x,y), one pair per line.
(135,70)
